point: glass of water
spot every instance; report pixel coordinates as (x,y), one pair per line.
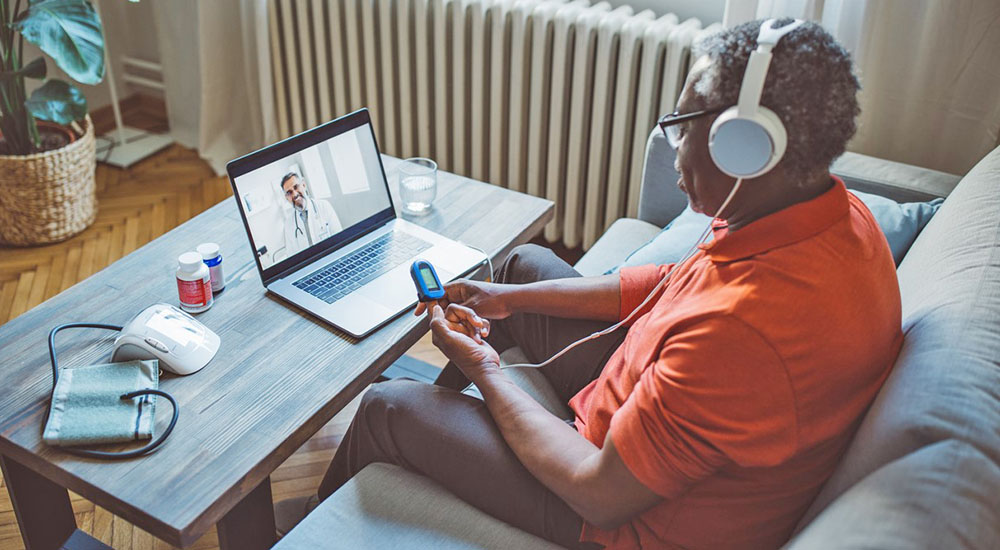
(417,185)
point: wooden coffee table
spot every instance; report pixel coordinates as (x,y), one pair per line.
(280,375)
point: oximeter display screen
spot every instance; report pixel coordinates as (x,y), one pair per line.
(428,276)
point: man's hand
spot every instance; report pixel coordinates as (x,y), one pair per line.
(458,332)
(490,300)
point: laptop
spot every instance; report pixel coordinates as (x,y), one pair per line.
(324,231)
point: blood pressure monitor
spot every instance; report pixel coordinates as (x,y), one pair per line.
(429,287)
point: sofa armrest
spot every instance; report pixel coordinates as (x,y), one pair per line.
(659,198)
(895,180)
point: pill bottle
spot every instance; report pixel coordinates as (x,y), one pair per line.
(194,283)
(213,259)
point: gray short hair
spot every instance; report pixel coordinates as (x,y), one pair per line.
(810,86)
(287,177)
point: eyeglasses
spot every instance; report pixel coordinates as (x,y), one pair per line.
(671,124)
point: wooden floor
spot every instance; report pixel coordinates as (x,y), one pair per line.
(136,206)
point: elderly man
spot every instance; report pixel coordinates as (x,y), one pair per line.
(713,420)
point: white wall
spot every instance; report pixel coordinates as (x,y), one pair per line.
(708,11)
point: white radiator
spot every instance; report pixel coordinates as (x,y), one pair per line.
(554,98)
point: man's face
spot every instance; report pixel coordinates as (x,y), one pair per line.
(295,192)
(705,185)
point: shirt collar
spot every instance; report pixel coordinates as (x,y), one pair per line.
(782,228)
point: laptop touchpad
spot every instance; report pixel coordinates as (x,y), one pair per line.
(394,290)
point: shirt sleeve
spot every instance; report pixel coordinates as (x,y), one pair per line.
(717,394)
(636,283)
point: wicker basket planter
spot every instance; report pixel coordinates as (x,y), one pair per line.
(51,196)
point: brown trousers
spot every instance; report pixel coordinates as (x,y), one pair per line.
(440,433)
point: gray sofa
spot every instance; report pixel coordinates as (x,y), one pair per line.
(923,470)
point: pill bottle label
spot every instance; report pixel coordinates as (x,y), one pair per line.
(195,294)
(218,282)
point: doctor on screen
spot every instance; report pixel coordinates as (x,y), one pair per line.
(309,221)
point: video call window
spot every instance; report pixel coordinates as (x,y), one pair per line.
(312,195)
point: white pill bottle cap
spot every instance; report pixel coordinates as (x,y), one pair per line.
(208,250)
(190,261)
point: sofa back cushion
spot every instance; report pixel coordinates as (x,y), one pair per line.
(946,381)
(900,222)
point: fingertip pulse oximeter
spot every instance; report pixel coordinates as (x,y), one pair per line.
(429,287)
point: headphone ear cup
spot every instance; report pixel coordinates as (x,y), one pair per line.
(746,146)
(776,130)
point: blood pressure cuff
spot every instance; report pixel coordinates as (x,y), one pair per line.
(87,407)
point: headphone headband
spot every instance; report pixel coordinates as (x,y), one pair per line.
(760,59)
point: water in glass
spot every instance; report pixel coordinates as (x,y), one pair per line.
(417,184)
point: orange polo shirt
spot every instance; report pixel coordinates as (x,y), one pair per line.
(735,393)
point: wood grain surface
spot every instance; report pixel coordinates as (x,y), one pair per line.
(279,376)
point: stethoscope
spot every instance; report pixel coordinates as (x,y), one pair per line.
(295,214)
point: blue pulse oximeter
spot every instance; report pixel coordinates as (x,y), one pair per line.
(429,287)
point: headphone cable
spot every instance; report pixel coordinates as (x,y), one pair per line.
(659,286)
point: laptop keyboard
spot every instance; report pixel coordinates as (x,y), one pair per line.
(362,266)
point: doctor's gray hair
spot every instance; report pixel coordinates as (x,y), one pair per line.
(810,85)
(287,177)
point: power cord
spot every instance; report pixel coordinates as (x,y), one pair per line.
(488,261)
(149,448)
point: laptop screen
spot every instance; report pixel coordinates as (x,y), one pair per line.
(308,196)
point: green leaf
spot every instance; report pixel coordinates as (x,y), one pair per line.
(35,69)
(70,32)
(57,101)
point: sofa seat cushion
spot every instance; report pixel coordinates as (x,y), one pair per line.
(945,384)
(946,495)
(387,507)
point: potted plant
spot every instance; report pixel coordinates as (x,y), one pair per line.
(47,148)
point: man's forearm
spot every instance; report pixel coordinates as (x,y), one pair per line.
(597,298)
(548,447)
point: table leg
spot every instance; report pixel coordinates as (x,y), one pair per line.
(41,507)
(250,524)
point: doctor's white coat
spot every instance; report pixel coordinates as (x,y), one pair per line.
(323,222)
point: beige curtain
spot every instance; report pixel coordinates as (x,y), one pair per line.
(216,69)
(930,72)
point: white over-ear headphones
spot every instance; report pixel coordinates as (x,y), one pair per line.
(747,140)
